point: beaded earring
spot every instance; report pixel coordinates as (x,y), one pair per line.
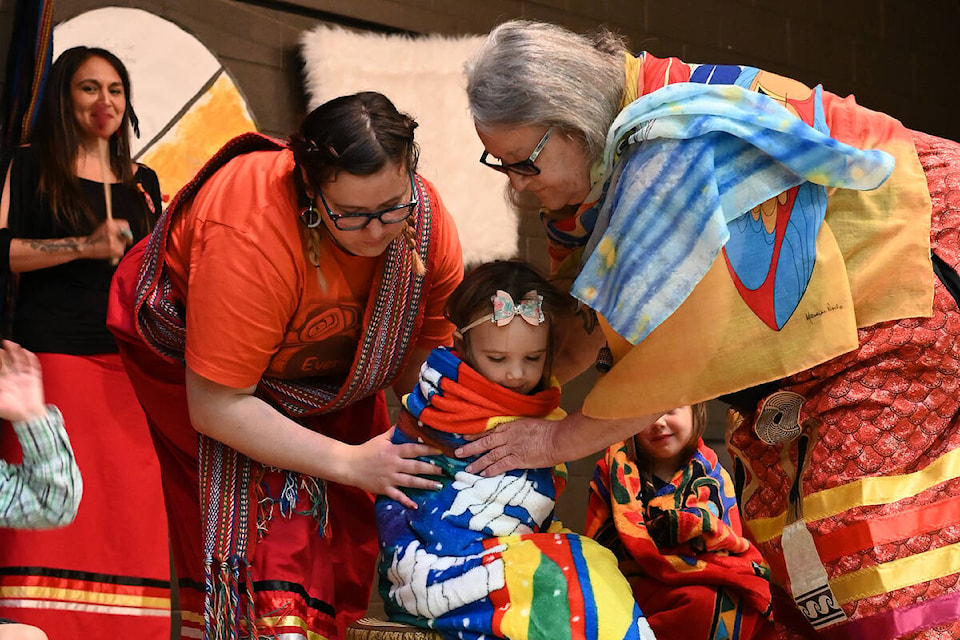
(310,216)
(604,359)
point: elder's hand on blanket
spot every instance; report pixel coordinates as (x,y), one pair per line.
(532,443)
(379,466)
(525,443)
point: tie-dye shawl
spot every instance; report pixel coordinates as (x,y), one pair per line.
(484,557)
(690,160)
(727,192)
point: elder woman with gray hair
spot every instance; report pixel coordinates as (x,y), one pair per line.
(742,236)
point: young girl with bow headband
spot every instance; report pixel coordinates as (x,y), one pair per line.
(515,355)
(494,541)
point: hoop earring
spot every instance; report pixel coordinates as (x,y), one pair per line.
(309,216)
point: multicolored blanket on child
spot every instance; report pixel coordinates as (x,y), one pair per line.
(484,557)
(679,534)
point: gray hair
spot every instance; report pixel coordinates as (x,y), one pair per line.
(528,73)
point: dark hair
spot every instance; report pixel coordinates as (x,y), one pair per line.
(699,423)
(471,299)
(57,139)
(359,134)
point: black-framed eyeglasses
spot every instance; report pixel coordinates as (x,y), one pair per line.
(356,221)
(524,167)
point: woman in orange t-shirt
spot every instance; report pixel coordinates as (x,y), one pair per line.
(286,286)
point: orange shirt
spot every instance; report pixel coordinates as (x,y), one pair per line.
(254,304)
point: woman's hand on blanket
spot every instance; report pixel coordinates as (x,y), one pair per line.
(525,443)
(379,466)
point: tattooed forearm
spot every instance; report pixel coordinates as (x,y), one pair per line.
(55,245)
(31,254)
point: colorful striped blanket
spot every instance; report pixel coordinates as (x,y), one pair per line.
(485,557)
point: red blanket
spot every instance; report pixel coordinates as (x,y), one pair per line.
(681,546)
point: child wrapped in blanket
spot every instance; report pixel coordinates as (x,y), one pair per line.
(664,505)
(483,557)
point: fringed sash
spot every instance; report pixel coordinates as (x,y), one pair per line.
(226,477)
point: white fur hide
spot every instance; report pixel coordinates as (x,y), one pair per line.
(424,77)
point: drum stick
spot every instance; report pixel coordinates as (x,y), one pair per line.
(105,174)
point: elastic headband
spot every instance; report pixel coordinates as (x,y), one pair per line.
(505,310)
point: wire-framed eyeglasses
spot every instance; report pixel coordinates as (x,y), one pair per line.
(356,221)
(524,167)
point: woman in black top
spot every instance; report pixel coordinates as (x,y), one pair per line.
(107,574)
